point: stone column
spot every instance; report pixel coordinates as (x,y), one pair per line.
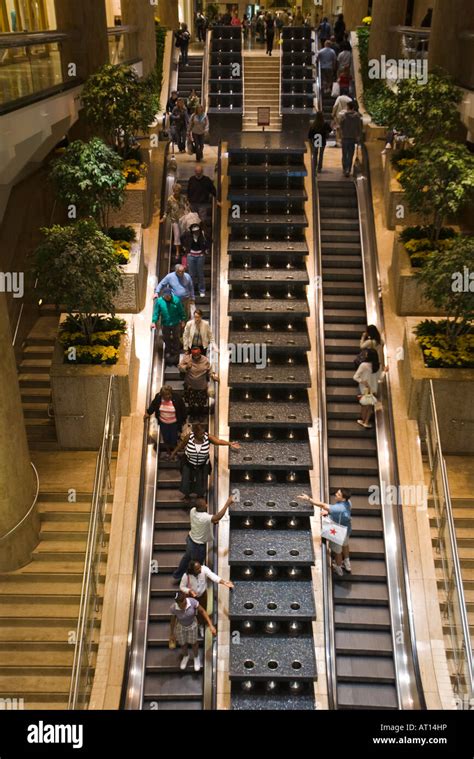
(141,13)
(354,11)
(446,49)
(17,482)
(168,13)
(386,14)
(87,21)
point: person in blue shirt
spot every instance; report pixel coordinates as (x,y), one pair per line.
(339,512)
(181,285)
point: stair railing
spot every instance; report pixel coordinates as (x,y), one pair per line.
(84,638)
(455,613)
(205,71)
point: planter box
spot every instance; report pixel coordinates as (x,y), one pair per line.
(374,132)
(137,204)
(454,394)
(394,200)
(79,394)
(131,298)
(409,300)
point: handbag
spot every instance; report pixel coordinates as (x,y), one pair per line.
(190,146)
(333,531)
(336,90)
(360,359)
(367,399)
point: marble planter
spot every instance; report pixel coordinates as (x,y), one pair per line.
(454,394)
(409,300)
(137,205)
(79,394)
(131,298)
(396,209)
(374,132)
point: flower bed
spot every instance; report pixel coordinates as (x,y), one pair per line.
(101,349)
(419,245)
(133,170)
(437,351)
(122,237)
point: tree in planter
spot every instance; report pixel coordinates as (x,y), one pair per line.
(447,280)
(90,176)
(440,182)
(77,270)
(120,105)
(419,110)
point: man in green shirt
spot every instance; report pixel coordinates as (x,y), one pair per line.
(169,310)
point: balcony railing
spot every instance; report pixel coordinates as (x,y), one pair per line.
(414,41)
(123,44)
(31,64)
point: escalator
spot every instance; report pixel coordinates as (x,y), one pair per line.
(190,76)
(154,679)
(370,646)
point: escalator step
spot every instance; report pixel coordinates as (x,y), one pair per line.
(348,617)
(356,483)
(171,518)
(164,585)
(185,686)
(367,548)
(348,446)
(369,570)
(170,540)
(362,642)
(168,478)
(158,633)
(342,345)
(340,376)
(375,594)
(365,696)
(345,428)
(367,525)
(170,498)
(350,464)
(365,669)
(345,315)
(346,261)
(167,560)
(172,706)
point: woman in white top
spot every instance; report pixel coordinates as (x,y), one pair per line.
(194,582)
(367,375)
(197,333)
(371,338)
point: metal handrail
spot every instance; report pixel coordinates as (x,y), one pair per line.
(205,71)
(210,671)
(437,455)
(134,675)
(95,522)
(112,31)
(328,601)
(25,516)
(28,39)
(407,670)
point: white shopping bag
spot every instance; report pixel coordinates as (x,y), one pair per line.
(333,531)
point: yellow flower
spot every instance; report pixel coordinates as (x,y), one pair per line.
(367,20)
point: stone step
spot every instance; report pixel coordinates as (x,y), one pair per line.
(36,410)
(33,379)
(35,365)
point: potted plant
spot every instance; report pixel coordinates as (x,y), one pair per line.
(440,181)
(411,250)
(128,245)
(441,350)
(90,176)
(77,270)
(120,105)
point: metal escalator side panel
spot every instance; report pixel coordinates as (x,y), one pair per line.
(408,678)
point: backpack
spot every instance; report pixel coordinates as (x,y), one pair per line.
(178,39)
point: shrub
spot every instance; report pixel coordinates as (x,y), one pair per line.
(89,175)
(122,233)
(439,352)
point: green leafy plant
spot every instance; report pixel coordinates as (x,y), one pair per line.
(120,105)
(104,343)
(378,98)
(77,270)
(440,182)
(421,110)
(212,11)
(89,175)
(122,233)
(446,282)
(156,78)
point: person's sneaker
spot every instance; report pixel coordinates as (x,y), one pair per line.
(197,663)
(203,294)
(347,565)
(337,569)
(184,662)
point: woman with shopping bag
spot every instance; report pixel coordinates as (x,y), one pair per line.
(336,528)
(367,375)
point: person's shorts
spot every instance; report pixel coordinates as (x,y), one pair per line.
(187,635)
(336,548)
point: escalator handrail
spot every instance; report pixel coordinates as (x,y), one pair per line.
(324,494)
(133,682)
(210,674)
(205,71)
(405,656)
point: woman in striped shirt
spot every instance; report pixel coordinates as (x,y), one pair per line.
(196,466)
